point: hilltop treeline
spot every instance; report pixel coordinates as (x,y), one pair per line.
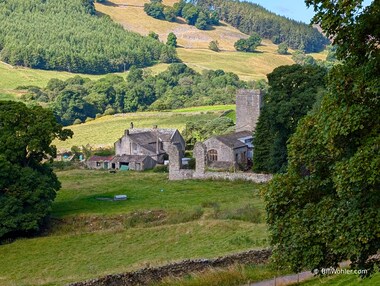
(250,18)
(66,35)
(78,99)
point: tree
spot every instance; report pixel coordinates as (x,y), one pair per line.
(325,209)
(282,49)
(214,46)
(202,21)
(170,14)
(153,35)
(27,185)
(190,13)
(248,45)
(172,40)
(293,91)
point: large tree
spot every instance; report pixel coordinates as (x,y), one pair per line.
(27,185)
(325,209)
(292,93)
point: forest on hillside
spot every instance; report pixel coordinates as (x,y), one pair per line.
(68,35)
(251,18)
(79,99)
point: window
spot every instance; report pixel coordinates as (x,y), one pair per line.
(212,155)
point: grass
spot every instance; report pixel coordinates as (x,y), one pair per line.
(194,43)
(75,253)
(248,66)
(145,190)
(343,280)
(106,130)
(235,275)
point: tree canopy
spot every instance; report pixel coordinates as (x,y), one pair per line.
(252,18)
(293,91)
(68,35)
(178,86)
(27,185)
(325,209)
(248,45)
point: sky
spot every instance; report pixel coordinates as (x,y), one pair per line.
(293,9)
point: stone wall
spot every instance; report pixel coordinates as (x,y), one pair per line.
(150,275)
(176,173)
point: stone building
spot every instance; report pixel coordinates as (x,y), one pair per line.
(248,105)
(99,162)
(232,150)
(153,142)
(139,149)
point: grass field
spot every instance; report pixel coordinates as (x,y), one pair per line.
(194,43)
(106,130)
(95,238)
(344,280)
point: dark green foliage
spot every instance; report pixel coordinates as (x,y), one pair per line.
(172,40)
(153,35)
(199,131)
(79,100)
(250,18)
(190,13)
(214,46)
(282,49)
(27,186)
(325,209)
(302,59)
(202,21)
(170,14)
(292,93)
(200,18)
(155,9)
(72,38)
(248,45)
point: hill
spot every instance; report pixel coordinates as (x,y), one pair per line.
(104,131)
(74,39)
(194,43)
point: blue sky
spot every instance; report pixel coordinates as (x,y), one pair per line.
(294,9)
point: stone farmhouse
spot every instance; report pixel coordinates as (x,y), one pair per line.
(140,149)
(231,150)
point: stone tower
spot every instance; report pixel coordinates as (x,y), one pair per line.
(248,104)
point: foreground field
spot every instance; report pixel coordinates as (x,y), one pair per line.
(104,131)
(161,221)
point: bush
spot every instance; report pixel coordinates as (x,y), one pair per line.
(214,46)
(282,49)
(247,213)
(161,169)
(248,45)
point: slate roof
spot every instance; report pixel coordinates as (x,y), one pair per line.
(100,158)
(232,140)
(129,158)
(148,135)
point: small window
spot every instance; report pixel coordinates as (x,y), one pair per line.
(212,155)
(98,164)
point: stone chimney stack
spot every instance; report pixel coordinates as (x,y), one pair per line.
(131,125)
(248,105)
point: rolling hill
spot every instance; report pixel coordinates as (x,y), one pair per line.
(193,43)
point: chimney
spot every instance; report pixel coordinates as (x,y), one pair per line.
(155,126)
(131,125)
(127,132)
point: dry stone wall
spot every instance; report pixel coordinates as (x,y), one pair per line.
(150,275)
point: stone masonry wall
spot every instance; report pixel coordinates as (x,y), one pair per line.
(176,173)
(150,275)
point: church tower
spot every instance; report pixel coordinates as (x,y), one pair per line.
(248,104)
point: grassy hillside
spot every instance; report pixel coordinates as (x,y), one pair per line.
(106,130)
(12,77)
(91,238)
(194,43)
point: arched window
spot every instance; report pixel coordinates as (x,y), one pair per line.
(212,155)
